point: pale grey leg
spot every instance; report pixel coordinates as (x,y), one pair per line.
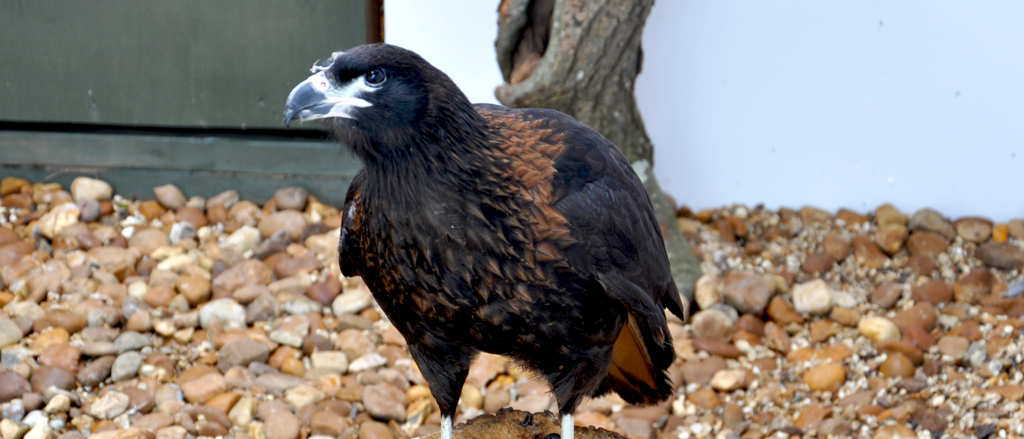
(568,426)
(446,427)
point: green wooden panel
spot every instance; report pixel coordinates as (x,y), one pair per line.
(183,153)
(134,164)
(192,63)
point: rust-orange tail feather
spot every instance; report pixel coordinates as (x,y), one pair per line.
(636,375)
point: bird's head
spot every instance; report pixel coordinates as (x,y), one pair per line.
(380,99)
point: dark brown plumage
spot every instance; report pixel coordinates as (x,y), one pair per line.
(482,228)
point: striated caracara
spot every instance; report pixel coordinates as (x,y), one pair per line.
(520,232)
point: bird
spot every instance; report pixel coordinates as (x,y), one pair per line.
(480,228)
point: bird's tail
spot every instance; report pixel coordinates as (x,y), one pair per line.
(638,367)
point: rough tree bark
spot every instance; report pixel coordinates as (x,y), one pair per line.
(582,57)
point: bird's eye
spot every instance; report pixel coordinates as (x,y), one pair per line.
(376,77)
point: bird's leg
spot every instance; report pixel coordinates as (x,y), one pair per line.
(444,366)
(446,427)
(568,426)
(570,384)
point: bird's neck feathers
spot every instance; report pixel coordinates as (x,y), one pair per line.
(446,148)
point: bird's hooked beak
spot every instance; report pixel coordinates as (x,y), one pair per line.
(317,98)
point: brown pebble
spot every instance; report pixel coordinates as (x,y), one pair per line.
(195,289)
(825,377)
(812,415)
(223,402)
(886,295)
(845,316)
(12,386)
(800,355)
(921,314)
(822,329)
(973,229)
(282,425)
(201,389)
(836,352)
(753,248)
(925,243)
(906,349)
(374,430)
(705,398)
(732,414)
(725,230)
(148,240)
(954,346)
(819,263)
(289,220)
(867,253)
(13,185)
(712,324)
(833,244)
(894,431)
(917,336)
(151,209)
(776,232)
(715,347)
(384,401)
(325,291)
(287,267)
(1002,255)
(72,323)
(750,324)
(930,420)
(216,214)
(812,215)
(747,292)
(766,363)
(316,342)
(139,322)
(776,338)
(328,423)
(701,371)
(96,371)
(782,312)
(968,329)
(46,376)
(921,265)
(851,218)
(749,337)
(891,237)
(889,214)
(973,286)
(294,367)
(159,296)
(61,355)
(191,215)
(896,364)
(935,292)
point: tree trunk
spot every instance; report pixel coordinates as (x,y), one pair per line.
(582,57)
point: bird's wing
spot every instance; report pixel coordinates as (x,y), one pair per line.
(618,239)
(350,254)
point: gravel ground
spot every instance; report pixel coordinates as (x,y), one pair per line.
(181,317)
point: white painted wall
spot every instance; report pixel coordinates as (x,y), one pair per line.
(456,36)
(787,103)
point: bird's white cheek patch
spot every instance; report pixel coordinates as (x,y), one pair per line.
(341,100)
(343,107)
